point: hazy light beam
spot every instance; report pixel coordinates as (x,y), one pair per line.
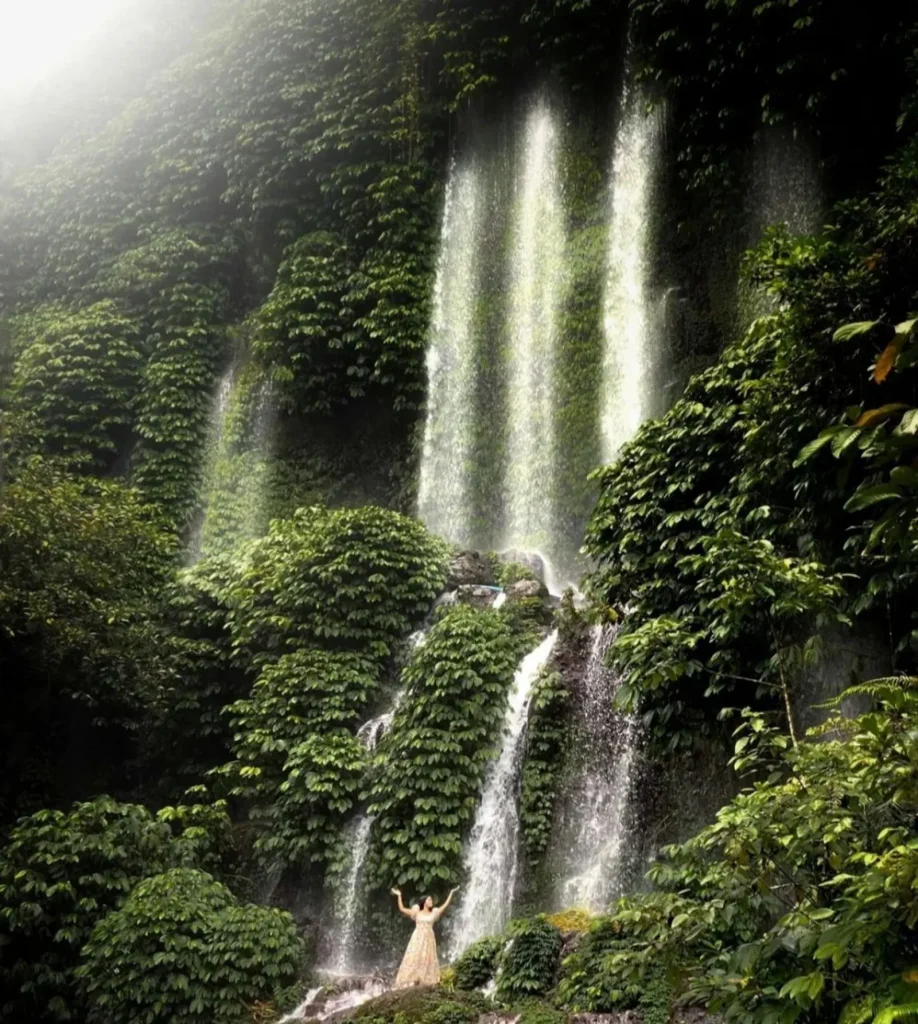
(39,35)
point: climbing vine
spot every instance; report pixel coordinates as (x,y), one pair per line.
(546,742)
(424,790)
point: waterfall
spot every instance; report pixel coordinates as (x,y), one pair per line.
(444,493)
(372,731)
(346,924)
(535,302)
(237,463)
(785,189)
(320,1005)
(630,326)
(215,433)
(348,901)
(492,856)
(786,186)
(600,802)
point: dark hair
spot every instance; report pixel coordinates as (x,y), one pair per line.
(423,901)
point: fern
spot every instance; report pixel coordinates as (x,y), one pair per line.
(897,692)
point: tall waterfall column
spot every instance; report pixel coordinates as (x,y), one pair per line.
(630,314)
(445,490)
(536,297)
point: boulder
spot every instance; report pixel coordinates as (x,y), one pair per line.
(531,559)
(467,568)
(475,595)
(525,590)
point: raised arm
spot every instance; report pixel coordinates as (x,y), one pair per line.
(401,906)
(448,900)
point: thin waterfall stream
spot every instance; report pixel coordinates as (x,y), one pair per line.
(348,902)
(342,960)
(492,854)
(237,462)
(601,800)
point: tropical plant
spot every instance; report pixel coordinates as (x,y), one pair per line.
(182,949)
(425,786)
(62,872)
(530,962)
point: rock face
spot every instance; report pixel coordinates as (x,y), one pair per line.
(524,590)
(475,595)
(468,568)
(530,559)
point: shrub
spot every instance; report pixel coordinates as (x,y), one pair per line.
(530,962)
(182,950)
(478,964)
(575,919)
(61,872)
(432,763)
(341,579)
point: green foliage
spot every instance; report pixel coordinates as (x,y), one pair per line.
(546,742)
(180,949)
(798,903)
(425,788)
(61,873)
(533,1012)
(342,579)
(731,487)
(82,566)
(478,964)
(801,62)
(319,608)
(878,447)
(530,962)
(421,1006)
(506,573)
(75,383)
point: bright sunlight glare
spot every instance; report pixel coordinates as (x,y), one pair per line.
(38,35)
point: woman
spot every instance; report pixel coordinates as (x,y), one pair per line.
(420,965)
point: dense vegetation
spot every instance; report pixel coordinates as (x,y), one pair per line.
(258,195)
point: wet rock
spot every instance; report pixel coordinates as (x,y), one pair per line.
(531,559)
(475,595)
(526,589)
(469,567)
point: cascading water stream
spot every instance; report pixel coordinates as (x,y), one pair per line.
(216,430)
(492,856)
(342,958)
(600,803)
(444,493)
(537,291)
(237,463)
(630,327)
(348,901)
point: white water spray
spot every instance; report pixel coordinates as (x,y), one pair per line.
(237,464)
(492,856)
(349,910)
(629,321)
(600,803)
(444,493)
(537,291)
(315,1007)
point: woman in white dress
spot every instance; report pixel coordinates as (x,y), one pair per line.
(420,965)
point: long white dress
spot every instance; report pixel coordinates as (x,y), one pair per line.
(420,965)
